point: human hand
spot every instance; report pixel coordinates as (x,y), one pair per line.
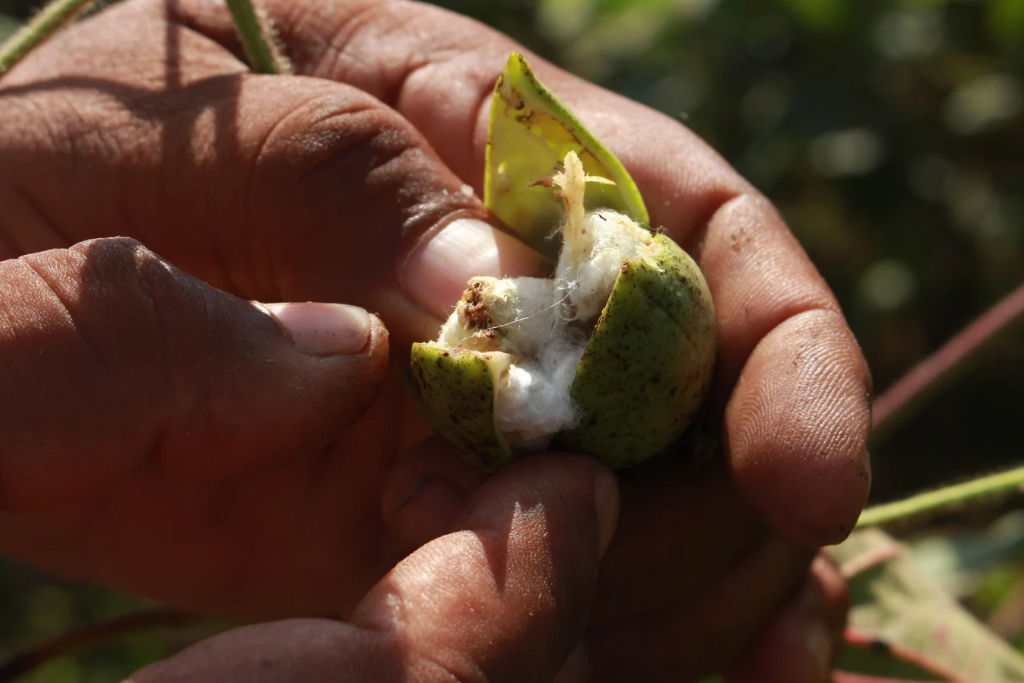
(504,597)
(249,183)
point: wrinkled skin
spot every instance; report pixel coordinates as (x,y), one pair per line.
(165,438)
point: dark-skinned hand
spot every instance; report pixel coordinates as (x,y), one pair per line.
(166,436)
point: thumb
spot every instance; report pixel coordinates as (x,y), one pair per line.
(115,360)
(505,598)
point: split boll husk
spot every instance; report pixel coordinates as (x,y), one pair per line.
(611,357)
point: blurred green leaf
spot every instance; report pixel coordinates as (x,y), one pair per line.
(50,610)
(958,561)
(646,6)
(983,102)
(1006,21)
(63,670)
(819,14)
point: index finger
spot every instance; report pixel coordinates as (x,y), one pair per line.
(794,385)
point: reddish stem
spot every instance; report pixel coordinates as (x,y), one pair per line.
(910,391)
(870,558)
(91,634)
(856,638)
(847,677)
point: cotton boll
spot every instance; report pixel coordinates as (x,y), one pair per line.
(544,323)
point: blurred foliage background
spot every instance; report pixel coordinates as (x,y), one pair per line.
(891,136)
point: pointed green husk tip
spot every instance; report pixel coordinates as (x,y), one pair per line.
(530,132)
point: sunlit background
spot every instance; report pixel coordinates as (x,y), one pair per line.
(889,134)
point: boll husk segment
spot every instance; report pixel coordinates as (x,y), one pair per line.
(610,357)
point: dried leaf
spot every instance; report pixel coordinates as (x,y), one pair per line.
(902,624)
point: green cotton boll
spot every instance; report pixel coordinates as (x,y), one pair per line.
(636,376)
(649,362)
(610,356)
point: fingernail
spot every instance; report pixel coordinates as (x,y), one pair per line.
(819,646)
(323,329)
(606,497)
(437,270)
(576,668)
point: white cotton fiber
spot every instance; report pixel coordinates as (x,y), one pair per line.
(513,315)
(594,245)
(594,253)
(544,324)
(533,316)
(533,401)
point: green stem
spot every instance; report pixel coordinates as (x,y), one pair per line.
(41,27)
(263,53)
(944,499)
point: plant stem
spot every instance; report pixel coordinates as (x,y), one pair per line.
(259,45)
(934,372)
(147,619)
(944,499)
(853,637)
(39,28)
